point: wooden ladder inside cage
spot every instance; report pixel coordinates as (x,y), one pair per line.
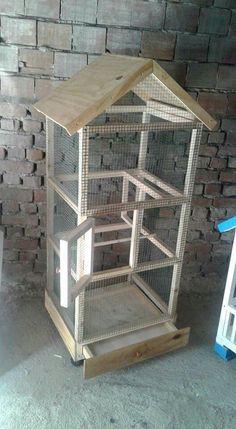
(225,344)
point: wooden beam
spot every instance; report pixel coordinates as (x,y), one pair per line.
(153,295)
(135,353)
(139,127)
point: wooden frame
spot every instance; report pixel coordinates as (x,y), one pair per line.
(93,91)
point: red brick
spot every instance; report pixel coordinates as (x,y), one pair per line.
(228,176)
(212,189)
(16,194)
(224,202)
(22,167)
(11,179)
(16,153)
(31,182)
(158,45)
(27,256)
(201,202)
(20,220)
(207,150)
(218,163)
(40,196)
(206,176)
(33,232)
(35,155)
(199,247)
(232,104)
(213,103)
(10,207)
(20,243)
(14,231)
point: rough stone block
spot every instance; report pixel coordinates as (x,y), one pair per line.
(202,75)
(203,162)
(66,64)
(54,35)
(192,47)
(229,125)
(15,7)
(181,17)
(224,202)
(214,21)
(121,41)
(11,179)
(158,45)
(175,70)
(16,153)
(226,78)
(36,62)
(89,39)
(40,141)
(42,8)
(216,137)
(18,31)
(8,58)
(14,86)
(16,194)
(76,10)
(147,14)
(213,103)
(20,140)
(10,207)
(222,50)
(31,126)
(207,150)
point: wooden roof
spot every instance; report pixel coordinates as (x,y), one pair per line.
(88,93)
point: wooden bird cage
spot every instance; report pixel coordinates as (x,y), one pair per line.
(122,148)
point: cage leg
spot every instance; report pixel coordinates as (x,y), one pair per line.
(77,362)
(225,353)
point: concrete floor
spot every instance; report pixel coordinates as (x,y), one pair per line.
(39,388)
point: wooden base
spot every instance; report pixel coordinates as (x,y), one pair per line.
(122,350)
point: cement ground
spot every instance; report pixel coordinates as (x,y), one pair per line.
(39,388)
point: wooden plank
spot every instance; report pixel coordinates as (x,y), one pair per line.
(161,183)
(135,353)
(93,89)
(144,187)
(158,301)
(111,227)
(188,102)
(60,325)
(64,194)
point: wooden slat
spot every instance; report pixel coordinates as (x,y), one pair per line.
(135,353)
(88,93)
(60,325)
(188,102)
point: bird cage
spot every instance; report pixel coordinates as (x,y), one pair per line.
(122,148)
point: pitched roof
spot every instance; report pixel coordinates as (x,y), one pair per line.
(88,93)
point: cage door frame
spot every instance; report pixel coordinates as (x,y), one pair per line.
(86,229)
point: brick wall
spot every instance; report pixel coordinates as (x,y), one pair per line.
(45,41)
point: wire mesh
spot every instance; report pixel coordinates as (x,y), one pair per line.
(130,163)
(115,306)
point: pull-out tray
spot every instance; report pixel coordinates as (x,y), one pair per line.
(127,349)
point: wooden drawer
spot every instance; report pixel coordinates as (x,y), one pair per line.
(125,350)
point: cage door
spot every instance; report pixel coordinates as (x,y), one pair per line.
(76,260)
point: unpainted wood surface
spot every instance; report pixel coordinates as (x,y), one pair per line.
(76,102)
(135,353)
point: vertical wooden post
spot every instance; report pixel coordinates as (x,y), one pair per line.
(138,214)
(83,143)
(50,201)
(184,218)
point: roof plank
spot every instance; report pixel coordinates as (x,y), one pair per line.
(88,93)
(188,102)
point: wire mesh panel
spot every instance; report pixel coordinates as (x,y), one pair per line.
(114,306)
